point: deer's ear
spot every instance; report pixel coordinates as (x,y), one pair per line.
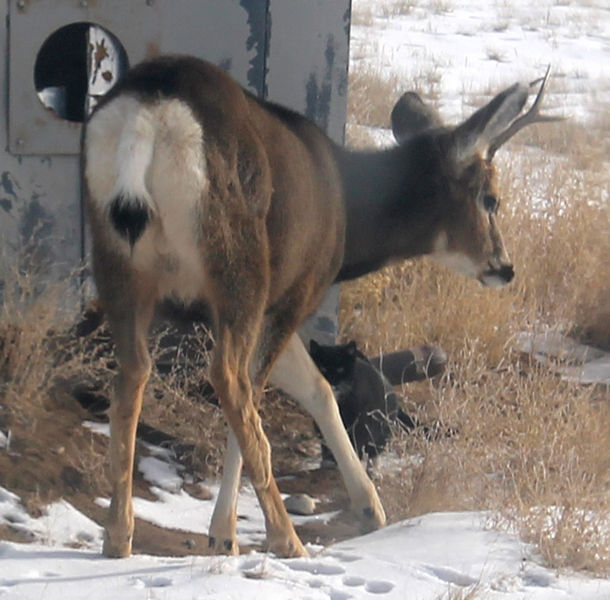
(411,116)
(475,134)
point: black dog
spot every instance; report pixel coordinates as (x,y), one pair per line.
(367,402)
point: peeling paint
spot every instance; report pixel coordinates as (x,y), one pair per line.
(36,222)
(6,204)
(347,20)
(36,227)
(319,95)
(225,64)
(258,13)
(8,184)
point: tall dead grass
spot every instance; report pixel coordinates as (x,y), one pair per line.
(527,445)
(27,317)
(41,353)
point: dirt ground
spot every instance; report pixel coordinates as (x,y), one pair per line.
(51,455)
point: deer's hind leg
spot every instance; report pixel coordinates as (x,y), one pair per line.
(223,526)
(129,319)
(239,397)
(239,302)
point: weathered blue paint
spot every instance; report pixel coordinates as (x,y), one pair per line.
(291,59)
(347,21)
(36,222)
(258,14)
(8,184)
(319,94)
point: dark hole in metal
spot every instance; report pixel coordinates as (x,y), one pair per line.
(75,65)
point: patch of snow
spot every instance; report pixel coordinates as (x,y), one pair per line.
(573,361)
(460,52)
(421,558)
(160,473)
(59,525)
(99,428)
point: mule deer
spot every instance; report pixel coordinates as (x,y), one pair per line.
(200,193)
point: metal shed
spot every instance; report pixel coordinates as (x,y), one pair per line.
(61,54)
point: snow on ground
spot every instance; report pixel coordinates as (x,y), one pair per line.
(458,48)
(571,360)
(419,558)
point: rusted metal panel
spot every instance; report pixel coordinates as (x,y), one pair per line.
(40,213)
(291,51)
(230,33)
(308,58)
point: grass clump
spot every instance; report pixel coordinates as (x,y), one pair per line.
(526,444)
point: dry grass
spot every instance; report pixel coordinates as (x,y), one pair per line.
(42,359)
(371,97)
(27,316)
(364,14)
(175,400)
(529,446)
(50,454)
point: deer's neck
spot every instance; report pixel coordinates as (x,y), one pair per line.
(390,212)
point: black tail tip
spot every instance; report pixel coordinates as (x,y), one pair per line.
(129,217)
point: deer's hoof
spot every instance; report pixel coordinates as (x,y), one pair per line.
(225,546)
(116,549)
(372,518)
(290,547)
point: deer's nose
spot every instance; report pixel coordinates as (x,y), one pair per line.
(506,272)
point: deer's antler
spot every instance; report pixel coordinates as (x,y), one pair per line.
(531,116)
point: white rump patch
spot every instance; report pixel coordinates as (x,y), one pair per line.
(153,153)
(119,148)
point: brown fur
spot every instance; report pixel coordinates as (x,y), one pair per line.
(258,233)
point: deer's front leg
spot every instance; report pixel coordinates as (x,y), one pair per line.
(297,375)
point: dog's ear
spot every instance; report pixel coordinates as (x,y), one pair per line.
(351,348)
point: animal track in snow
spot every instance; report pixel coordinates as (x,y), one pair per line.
(151,582)
(343,557)
(321,569)
(452,576)
(353,581)
(316,568)
(338,595)
(378,587)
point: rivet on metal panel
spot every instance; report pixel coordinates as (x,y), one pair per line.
(150,2)
(83,3)
(21,4)
(20,142)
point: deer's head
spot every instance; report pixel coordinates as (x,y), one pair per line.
(458,174)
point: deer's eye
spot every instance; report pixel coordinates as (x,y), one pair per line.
(490,203)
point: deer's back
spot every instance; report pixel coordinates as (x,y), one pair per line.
(194,160)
